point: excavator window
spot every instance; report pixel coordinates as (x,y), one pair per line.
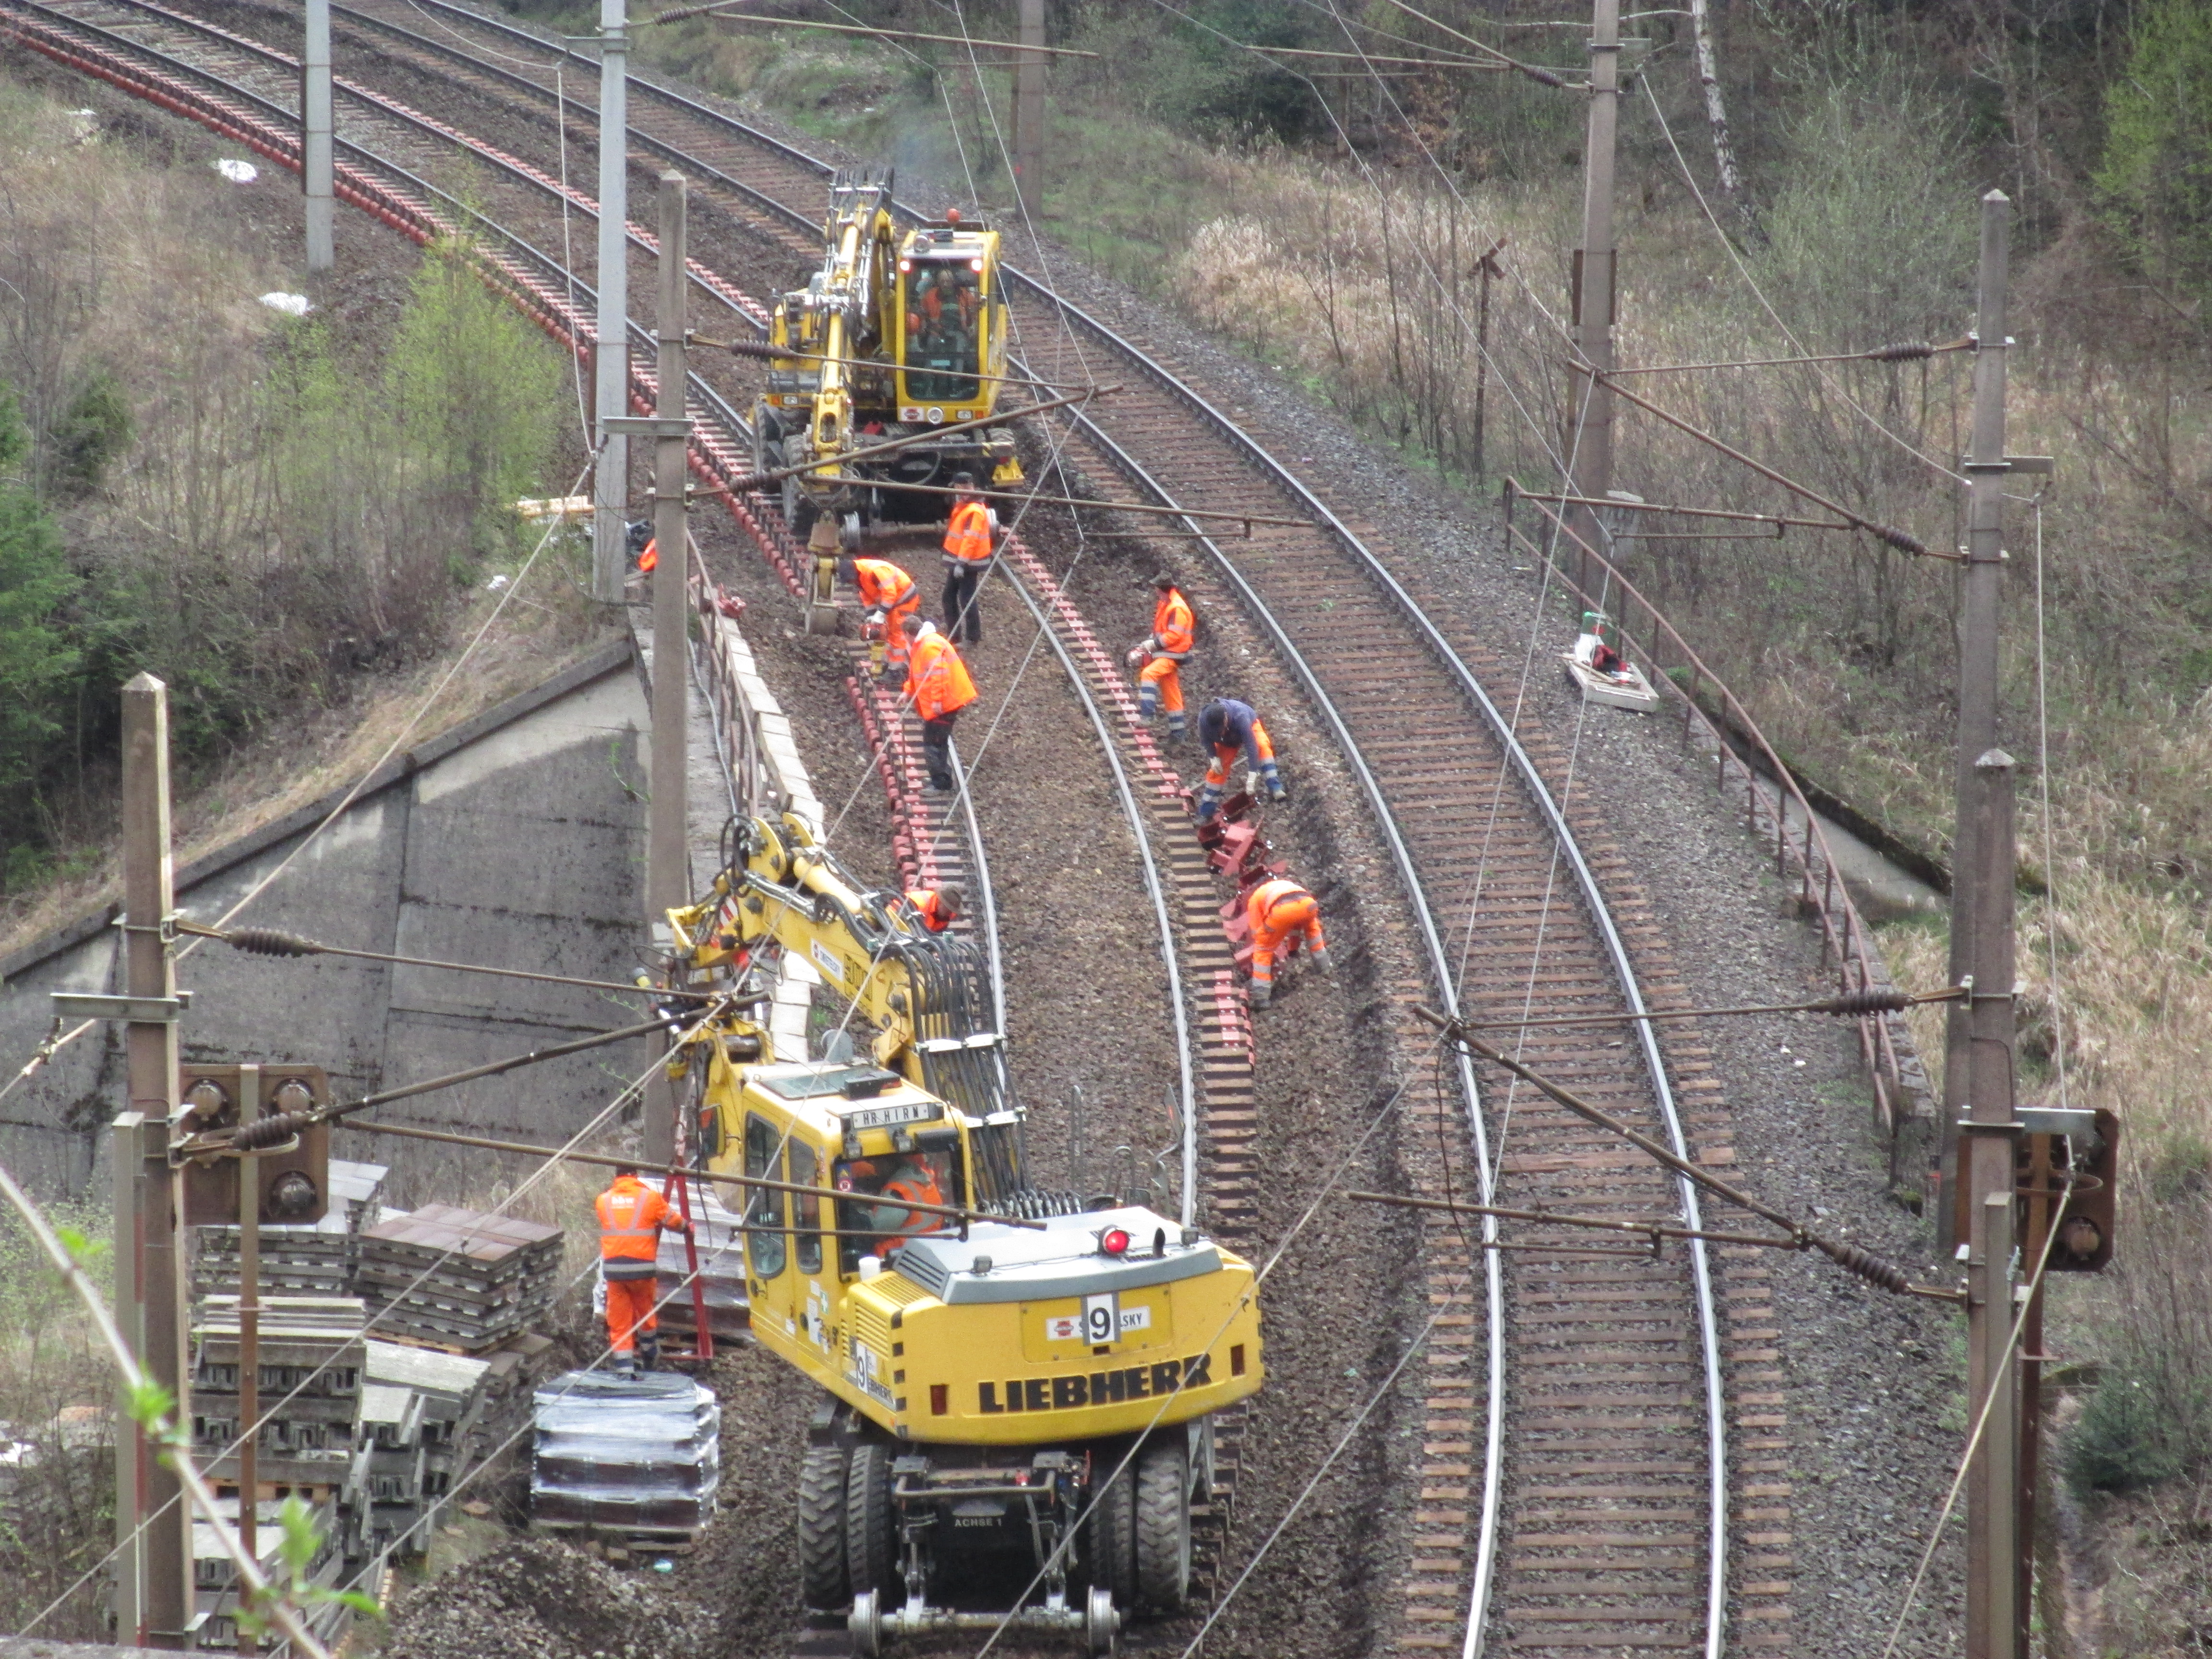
(869,1213)
(765,1250)
(944,331)
(807,1208)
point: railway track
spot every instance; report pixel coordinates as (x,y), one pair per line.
(1588,1503)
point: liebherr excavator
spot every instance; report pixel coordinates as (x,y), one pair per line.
(1003,1405)
(897,334)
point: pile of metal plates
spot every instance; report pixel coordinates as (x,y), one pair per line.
(317,1260)
(418,1411)
(721,1247)
(312,1357)
(456,1278)
(635,1461)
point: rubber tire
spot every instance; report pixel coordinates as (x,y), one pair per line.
(1163,1526)
(1113,1526)
(871,1540)
(822,1569)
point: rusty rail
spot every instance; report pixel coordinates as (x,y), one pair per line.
(1902,1096)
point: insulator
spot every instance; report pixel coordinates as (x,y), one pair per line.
(755,348)
(1899,540)
(1865,1264)
(269,1131)
(1858,1003)
(1908,351)
(272,941)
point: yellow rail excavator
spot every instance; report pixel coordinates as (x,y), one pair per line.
(1017,1402)
(900,335)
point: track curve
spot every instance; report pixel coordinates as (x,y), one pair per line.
(1498,836)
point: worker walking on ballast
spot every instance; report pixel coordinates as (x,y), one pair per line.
(936,681)
(1227,726)
(887,598)
(632,1218)
(967,556)
(1282,915)
(935,908)
(1158,658)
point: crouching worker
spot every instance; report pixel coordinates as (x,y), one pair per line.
(935,908)
(1283,914)
(1226,727)
(632,1218)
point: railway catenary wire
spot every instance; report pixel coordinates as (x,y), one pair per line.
(1705,1612)
(1562,990)
(968,863)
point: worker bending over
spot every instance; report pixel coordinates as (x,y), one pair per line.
(936,681)
(1228,725)
(632,1217)
(887,598)
(1157,659)
(967,556)
(935,908)
(1282,912)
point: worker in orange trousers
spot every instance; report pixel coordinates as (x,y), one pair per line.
(1159,658)
(887,598)
(1282,915)
(632,1218)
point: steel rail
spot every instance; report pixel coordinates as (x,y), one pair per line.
(1533,785)
(1154,888)
(1523,765)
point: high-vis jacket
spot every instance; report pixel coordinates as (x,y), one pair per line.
(631,1216)
(883,585)
(930,907)
(937,678)
(917,1183)
(1280,911)
(1175,629)
(968,535)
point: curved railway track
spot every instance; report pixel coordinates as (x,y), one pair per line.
(1584,1504)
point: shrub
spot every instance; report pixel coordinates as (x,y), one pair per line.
(2156,177)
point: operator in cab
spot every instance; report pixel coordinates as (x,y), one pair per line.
(914,1178)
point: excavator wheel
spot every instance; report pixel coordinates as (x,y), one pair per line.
(871,1539)
(822,1567)
(1114,1536)
(1163,1526)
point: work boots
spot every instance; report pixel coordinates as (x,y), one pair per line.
(648,1350)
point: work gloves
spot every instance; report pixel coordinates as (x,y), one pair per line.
(1321,960)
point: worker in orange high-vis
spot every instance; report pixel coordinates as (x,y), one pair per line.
(887,598)
(914,1181)
(632,1217)
(1282,914)
(936,681)
(935,908)
(1159,658)
(967,556)
(1228,728)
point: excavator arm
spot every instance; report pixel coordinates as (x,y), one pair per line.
(925,995)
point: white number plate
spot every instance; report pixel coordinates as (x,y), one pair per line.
(1104,1320)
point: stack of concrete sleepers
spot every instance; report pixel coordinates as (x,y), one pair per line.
(214,1574)
(721,1246)
(316,1260)
(312,1357)
(449,1392)
(635,1461)
(458,1280)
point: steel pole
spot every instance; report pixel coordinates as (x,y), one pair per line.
(1981,587)
(249,1351)
(1028,113)
(610,351)
(315,130)
(149,901)
(1589,435)
(668,868)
